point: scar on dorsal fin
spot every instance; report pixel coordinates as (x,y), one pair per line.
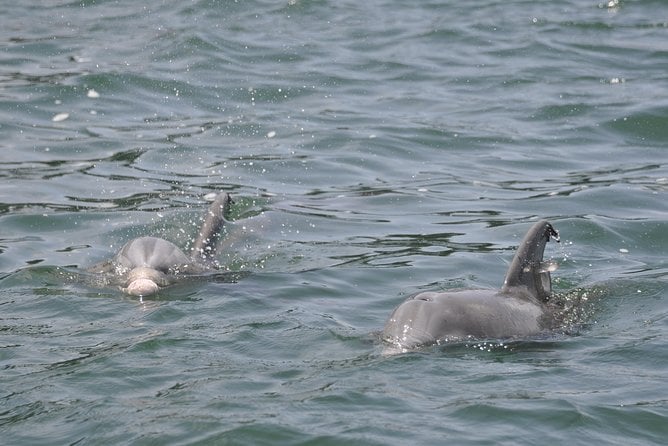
(527,268)
(214,220)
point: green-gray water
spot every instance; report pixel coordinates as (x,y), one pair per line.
(374,149)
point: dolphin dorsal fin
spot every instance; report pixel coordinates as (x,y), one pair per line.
(527,268)
(204,247)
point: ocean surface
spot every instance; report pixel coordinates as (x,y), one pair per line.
(374,149)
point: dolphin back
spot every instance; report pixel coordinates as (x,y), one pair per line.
(527,268)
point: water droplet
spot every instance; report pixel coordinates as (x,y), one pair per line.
(60,117)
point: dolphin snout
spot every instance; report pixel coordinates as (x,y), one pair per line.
(144,281)
(142,287)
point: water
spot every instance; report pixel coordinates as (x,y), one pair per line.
(374,149)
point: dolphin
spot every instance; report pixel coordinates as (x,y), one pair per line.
(520,308)
(144,265)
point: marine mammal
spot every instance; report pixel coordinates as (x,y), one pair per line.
(144,265)
(519,308)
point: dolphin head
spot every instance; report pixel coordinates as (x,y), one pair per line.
(144,281)
(151,252)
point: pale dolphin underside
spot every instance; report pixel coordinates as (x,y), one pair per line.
(520,308)
(146,264)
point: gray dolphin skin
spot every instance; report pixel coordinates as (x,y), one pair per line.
(520,308)
(146,264)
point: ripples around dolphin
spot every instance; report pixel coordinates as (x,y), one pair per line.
(375,150)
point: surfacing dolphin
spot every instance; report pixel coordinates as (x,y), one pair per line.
(146,264)
(520,308)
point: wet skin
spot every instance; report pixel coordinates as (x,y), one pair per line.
(146,264)
(519,308)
